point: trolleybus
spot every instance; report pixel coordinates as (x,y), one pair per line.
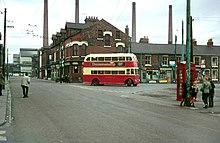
(115,68)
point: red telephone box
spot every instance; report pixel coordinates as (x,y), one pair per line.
(181,78)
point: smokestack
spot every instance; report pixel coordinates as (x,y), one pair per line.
(127,30)
(170,26)
(45,29)
(77,12)
(133,22)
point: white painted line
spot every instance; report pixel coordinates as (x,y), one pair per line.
(2,132)
(2,138)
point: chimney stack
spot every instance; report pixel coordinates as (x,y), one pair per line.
(210,43)
(77,12)
(133,22)
(127,30)
(170,26)
(45,26)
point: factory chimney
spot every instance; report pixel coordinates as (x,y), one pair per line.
(133,22)
(77,12)
(170,26)
(45,26)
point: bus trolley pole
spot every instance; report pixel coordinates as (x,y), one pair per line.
(188,49)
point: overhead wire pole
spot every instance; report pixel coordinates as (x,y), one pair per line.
(188,51)
(182,58)
(4,46)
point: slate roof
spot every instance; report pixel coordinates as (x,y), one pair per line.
(70,25)
(146,48)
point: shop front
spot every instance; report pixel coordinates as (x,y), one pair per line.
(165,75)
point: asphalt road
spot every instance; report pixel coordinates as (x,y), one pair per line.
(77,113)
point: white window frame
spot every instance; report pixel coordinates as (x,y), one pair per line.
(212,75)
(146,60)
(194,60)
(214,65)
(167,61)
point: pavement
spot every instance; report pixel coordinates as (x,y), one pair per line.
(5,105)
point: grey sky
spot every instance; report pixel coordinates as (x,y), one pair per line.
(152,19)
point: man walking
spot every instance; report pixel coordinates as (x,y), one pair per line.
(25,81)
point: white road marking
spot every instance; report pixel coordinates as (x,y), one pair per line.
(2,132)
(2,136)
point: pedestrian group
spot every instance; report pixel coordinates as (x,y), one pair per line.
(207,89)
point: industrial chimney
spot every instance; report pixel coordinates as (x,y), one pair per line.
(77,12)
(45,26)
(133,22)
(170,26)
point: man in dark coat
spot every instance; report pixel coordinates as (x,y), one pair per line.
(211,93)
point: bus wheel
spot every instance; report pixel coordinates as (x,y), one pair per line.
(95,82)
(129,82)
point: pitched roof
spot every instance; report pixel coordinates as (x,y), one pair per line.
(70,25)
(145,48)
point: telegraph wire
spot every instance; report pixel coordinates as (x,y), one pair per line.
(115,9)
(123,10)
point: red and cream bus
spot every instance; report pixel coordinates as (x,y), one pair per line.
(115,68)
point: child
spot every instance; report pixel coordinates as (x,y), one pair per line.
(194,91)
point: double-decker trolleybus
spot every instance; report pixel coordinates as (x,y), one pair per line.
(115,68)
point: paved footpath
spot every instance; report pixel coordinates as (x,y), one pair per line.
(5,105)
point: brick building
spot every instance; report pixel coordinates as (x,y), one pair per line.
(156,60)
(77,40)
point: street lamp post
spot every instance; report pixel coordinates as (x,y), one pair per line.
(188,51)
(175,57)
(61,48)
(4,45)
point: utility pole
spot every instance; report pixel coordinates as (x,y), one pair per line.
(191,34)
(4,46)
(183,51)
(188,50)
(175,58)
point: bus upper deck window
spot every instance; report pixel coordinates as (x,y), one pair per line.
(88,59)
(107,58)
(114,58)
(121,58)
(128,59)
(94,58)
(100,58)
